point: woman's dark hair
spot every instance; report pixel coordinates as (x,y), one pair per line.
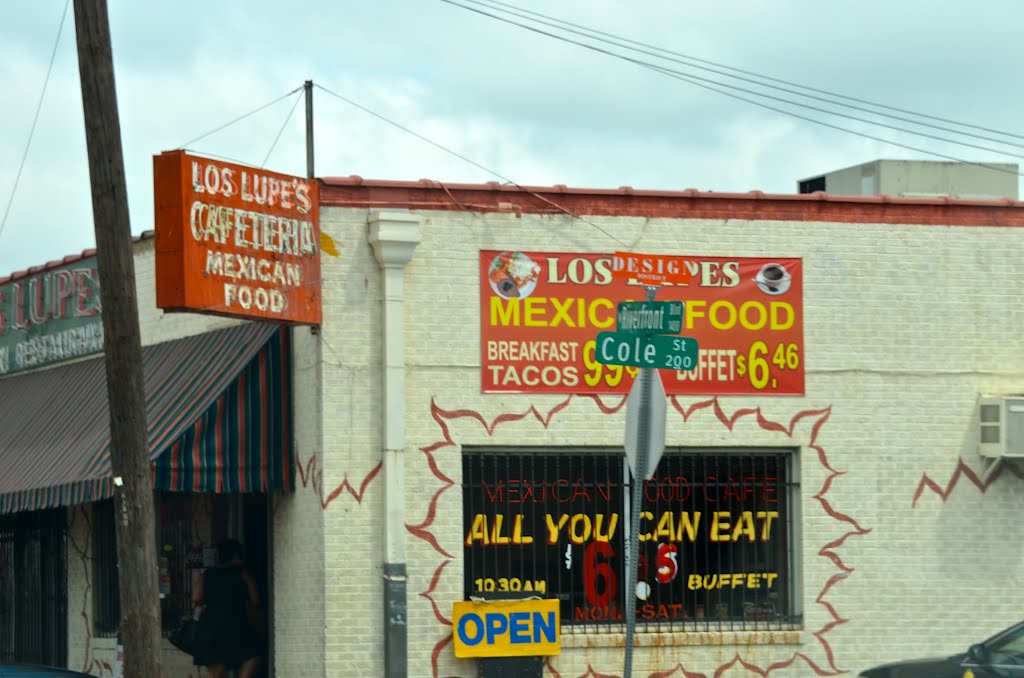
(228,550)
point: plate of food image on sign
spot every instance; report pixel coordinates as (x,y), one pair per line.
(513,275)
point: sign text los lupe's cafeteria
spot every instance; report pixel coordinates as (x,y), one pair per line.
(541,312)
(235,240)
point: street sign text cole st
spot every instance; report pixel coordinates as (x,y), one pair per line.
(638,350)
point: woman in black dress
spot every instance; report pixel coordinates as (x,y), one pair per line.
(224,638)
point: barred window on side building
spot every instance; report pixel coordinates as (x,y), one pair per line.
(106,597)
(178,559)
(718,531)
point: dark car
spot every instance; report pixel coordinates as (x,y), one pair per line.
(1001,656)
(26,671)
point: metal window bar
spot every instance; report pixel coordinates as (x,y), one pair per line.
(532,523)
(33,587)
(180,556)
(721,546)
(718,538)
(106,596)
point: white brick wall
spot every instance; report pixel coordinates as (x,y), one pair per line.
(904,326)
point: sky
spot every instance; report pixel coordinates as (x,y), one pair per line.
(522,106)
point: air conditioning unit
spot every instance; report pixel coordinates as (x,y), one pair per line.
(1001,427)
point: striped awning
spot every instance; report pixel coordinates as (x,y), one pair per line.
(243,441)
(55,426)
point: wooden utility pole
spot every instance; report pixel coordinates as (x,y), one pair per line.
(129,453)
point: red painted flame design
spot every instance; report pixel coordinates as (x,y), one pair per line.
(823,665)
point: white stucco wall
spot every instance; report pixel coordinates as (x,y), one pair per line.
(904,326)
(902,555)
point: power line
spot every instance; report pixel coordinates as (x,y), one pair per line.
(280,131)
(471,162)
(419,136)
(35,119)
(685,60)
(517,11)
(692,79)
(239,118)
(994,168)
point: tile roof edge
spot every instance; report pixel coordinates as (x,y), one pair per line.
(358,181)
(64,261)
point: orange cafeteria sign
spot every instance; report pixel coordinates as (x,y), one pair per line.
(651,269)
(236,241)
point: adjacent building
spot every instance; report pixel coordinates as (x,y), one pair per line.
(920,179)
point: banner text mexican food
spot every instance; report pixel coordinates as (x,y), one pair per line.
(541,313)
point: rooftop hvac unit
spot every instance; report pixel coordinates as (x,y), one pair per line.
(1001,427)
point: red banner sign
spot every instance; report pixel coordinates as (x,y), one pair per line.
(540,313)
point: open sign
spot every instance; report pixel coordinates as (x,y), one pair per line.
(506,628)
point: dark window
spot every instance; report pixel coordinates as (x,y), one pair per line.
(544,524)
(812,185)
(106,596)
(716,533)
(181,555)
(182,550)
(717,540)
(33,587)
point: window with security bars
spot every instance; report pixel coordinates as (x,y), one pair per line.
(717,536)
(106,597)
(180,557)
(33,587)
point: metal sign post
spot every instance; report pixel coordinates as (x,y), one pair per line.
(639,471)
(647,382)
(638,341)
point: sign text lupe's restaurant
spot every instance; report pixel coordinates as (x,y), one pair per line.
(50,316)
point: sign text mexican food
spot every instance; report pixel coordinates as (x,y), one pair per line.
(541,313)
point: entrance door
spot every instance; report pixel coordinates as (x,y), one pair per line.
(256,537)
(33,588)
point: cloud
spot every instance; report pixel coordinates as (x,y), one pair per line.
(535,110)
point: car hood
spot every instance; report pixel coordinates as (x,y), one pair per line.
(935,667)
(29,671)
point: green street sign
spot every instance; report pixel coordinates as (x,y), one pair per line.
(637,350)
(650,317)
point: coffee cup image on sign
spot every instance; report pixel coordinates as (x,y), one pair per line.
(513,275)
(773,279)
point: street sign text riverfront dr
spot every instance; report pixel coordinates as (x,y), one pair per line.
(649,317)
(637,350)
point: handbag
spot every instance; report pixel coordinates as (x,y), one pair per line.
(183,636)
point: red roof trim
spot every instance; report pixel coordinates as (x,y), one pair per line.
(426,194)
(70,259)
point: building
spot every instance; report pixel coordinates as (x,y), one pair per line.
(920,179)
(219,424)
(820,506)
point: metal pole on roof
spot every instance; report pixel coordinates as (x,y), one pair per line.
(309,129)
(122,347)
